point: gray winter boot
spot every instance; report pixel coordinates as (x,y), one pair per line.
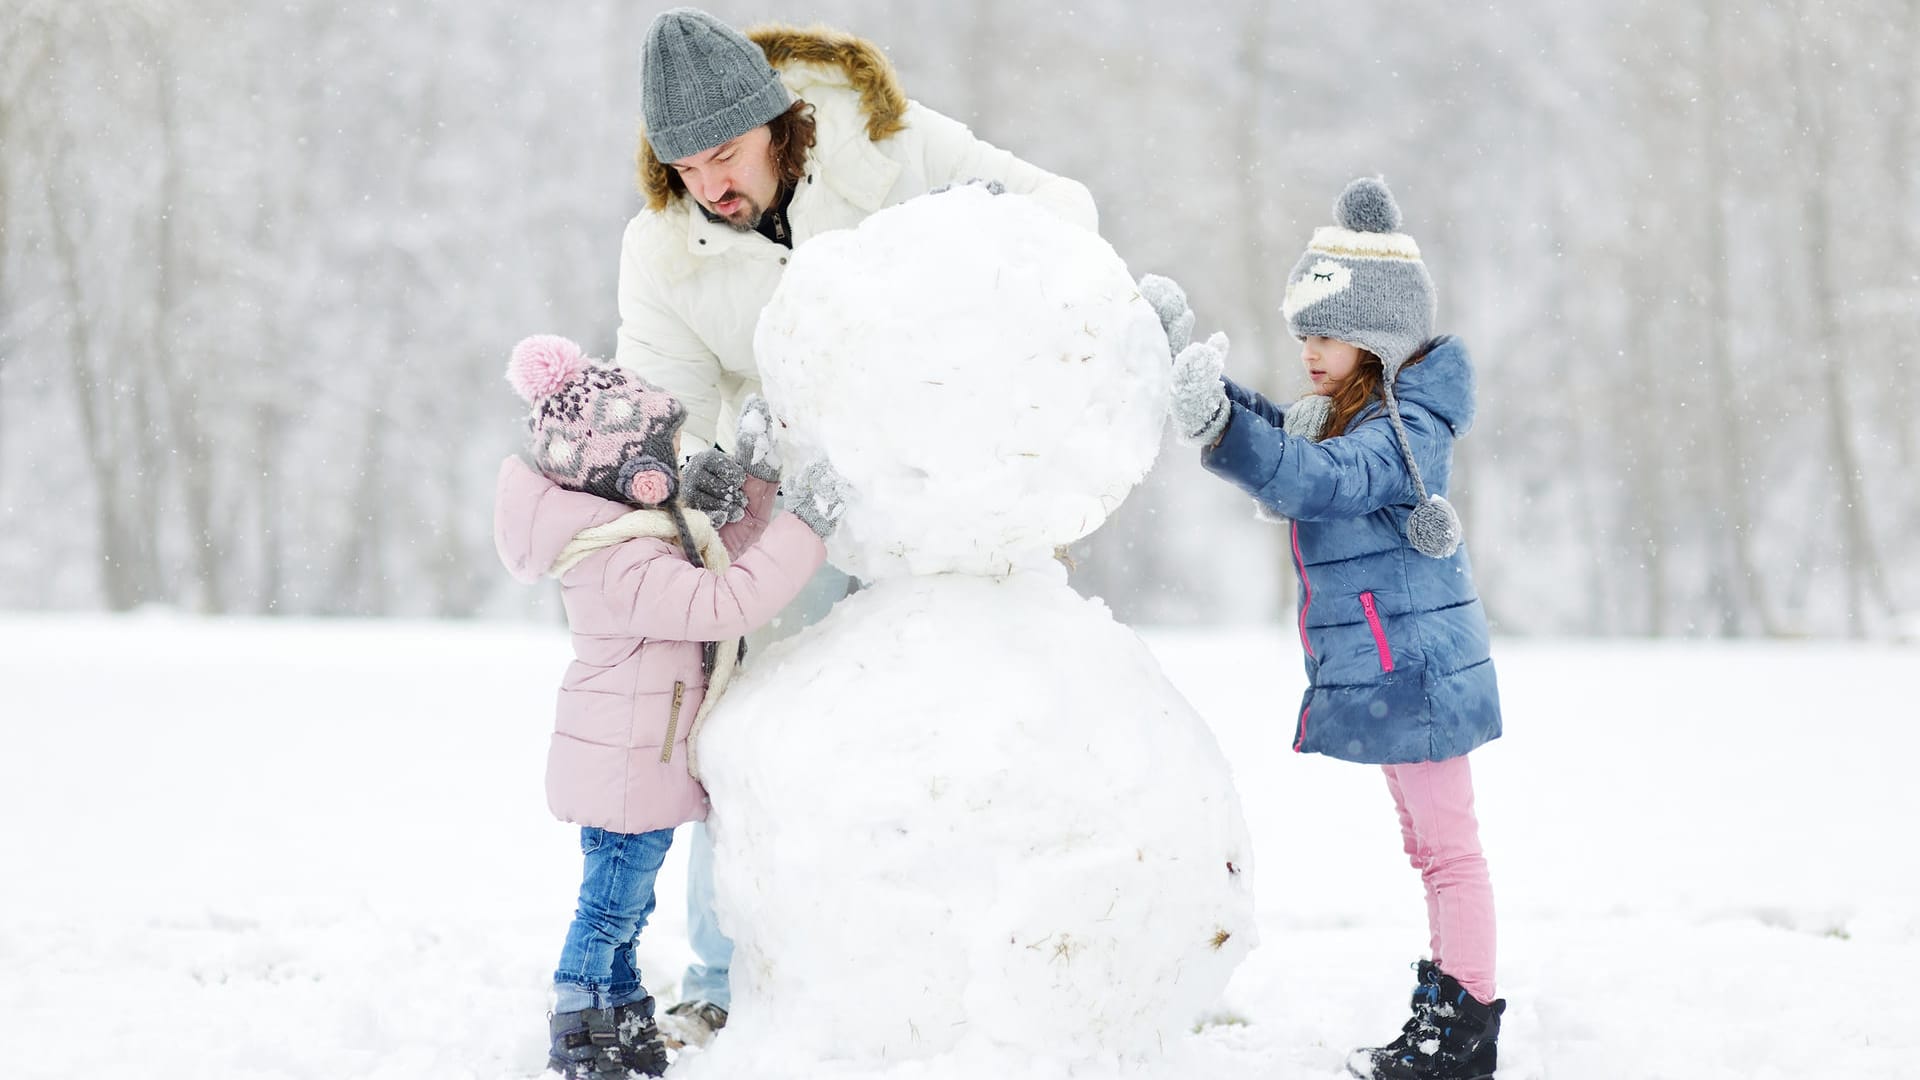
(585,1045)
(640,1046)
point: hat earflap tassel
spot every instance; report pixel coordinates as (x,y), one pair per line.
(1434,526)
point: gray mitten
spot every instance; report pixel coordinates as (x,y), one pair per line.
(1199,405)
(1169,302)
(710,483)
(994,187)
(818,496)
(753,444)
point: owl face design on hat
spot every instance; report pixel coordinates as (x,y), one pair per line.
(1361,281)
(594,427)
(1323,279)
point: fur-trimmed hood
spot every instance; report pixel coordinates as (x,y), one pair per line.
(815,56)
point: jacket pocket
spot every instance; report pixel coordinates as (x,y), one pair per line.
(673,722)
(1379,632)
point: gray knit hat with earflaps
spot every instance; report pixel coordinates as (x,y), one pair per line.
(702,83)
(1362,282)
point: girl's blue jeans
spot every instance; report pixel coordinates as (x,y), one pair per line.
(616,896)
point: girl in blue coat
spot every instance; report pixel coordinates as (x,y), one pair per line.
(1394,636)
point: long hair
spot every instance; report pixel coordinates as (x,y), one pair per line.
(791,136)
(1362,388)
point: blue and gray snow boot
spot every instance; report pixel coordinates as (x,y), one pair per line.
(640,1046)
(1451,1036)
(585,1046)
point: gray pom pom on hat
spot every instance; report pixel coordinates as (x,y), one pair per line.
(1367,206)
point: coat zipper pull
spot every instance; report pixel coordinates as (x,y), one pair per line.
(673,722)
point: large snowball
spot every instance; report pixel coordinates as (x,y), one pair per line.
(968,823)
(985,376)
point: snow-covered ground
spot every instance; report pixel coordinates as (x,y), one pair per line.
(320,849)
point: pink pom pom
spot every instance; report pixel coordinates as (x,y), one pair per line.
(542,364)
(649,487)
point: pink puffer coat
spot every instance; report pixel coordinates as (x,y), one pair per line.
(639,612)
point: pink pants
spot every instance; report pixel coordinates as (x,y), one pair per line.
(1442,840)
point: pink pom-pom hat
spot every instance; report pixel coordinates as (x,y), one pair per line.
(542,364)
(595,427)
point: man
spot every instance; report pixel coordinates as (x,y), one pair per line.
(755,144)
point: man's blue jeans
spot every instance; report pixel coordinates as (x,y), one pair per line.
(616,896)
(706,977)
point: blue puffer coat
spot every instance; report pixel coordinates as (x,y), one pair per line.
(1398,667)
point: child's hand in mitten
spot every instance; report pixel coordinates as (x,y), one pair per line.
(1199,405)
(818,496)
(1169,302)
(753,445)
(710,483)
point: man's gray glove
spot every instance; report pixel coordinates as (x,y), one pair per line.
(1169,302)
(994,187)
(753,444)
(1199,407)
(818,496)
(710,483)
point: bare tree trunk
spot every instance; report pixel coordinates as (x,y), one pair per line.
(1900,166)
(1257,268)
(270,526)
(7,330)
(109,373)
(23,57)
(1649,497)
(1860,565)
(356,574)
(1731,451)
(125,553)
(206,551)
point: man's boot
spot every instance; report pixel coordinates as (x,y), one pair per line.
(693,1023)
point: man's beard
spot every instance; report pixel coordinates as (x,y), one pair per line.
(745,219)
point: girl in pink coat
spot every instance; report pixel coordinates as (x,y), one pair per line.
(657,600)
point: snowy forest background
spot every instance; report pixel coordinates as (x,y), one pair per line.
(261,265)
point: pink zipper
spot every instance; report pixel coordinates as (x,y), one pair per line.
(1306,589)
(1306,601)
(1379,632)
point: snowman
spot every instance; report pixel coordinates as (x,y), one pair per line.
(965,822)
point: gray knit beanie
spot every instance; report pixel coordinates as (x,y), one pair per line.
(1362,282)
(702,83)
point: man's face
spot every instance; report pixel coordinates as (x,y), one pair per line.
(735,180)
